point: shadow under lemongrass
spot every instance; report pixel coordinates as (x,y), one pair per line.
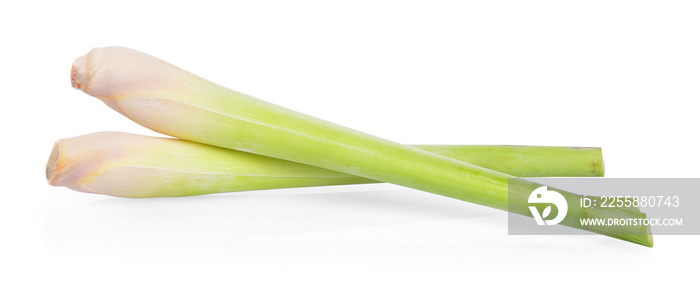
(214,221)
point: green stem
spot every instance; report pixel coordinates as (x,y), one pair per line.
(527,161)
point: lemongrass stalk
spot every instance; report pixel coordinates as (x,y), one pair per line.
(172,101)
(129,165)
(136,166)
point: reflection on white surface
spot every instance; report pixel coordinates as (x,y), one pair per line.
(260,216)
(380,226)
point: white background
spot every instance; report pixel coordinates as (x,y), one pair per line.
(622,75)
